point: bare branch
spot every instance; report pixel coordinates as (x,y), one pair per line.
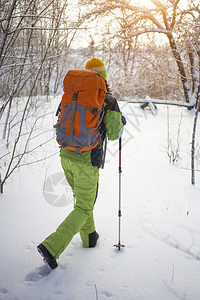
(5,29)
(147,30)
(46,28)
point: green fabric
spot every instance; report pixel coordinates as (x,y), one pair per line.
(83,179)
(103,73)
(113,123)
(84,157)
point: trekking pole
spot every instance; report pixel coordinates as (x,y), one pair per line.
(119,245)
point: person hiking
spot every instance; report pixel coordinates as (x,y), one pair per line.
(82,173)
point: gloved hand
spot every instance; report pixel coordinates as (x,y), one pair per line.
(120,133)
(123,119)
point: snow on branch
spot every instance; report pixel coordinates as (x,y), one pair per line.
(117,5)
(129,6)
(147,30)
(46,28)
(158,4)
(157,101)
(26,16)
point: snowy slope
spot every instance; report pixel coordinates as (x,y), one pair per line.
(160,223)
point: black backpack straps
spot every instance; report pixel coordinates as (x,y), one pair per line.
(95,112)
(101,118)
(58,109)
(104,152)
(71,121)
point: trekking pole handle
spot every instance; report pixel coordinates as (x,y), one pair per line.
(120,160)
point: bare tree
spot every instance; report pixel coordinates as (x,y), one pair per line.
(161,18)
(181,28)
(32,31)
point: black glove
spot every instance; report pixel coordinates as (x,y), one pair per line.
(123,120)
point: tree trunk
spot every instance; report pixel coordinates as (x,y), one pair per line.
(197,110)
(5,30)
(181,68)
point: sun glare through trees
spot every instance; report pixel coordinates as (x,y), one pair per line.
(150,3)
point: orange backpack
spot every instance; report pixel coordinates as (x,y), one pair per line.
(81,110)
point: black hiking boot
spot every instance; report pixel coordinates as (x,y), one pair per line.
(93,237)
(47,257)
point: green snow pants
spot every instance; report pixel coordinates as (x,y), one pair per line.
(83,180)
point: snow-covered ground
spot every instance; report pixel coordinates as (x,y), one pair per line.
(160,221)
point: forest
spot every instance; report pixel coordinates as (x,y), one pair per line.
(151,49)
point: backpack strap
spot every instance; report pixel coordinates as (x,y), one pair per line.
(95,112)
(104,152)
(78,151)
(58,110)
(71,120)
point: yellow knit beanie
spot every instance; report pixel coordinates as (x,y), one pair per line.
(96,64)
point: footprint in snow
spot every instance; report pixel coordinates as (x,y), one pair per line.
(39,273)
(3,291)
(105,293)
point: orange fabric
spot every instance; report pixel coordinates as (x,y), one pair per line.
(88,80)
(91,93)
(91,118)
(83,149)
(90,86)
